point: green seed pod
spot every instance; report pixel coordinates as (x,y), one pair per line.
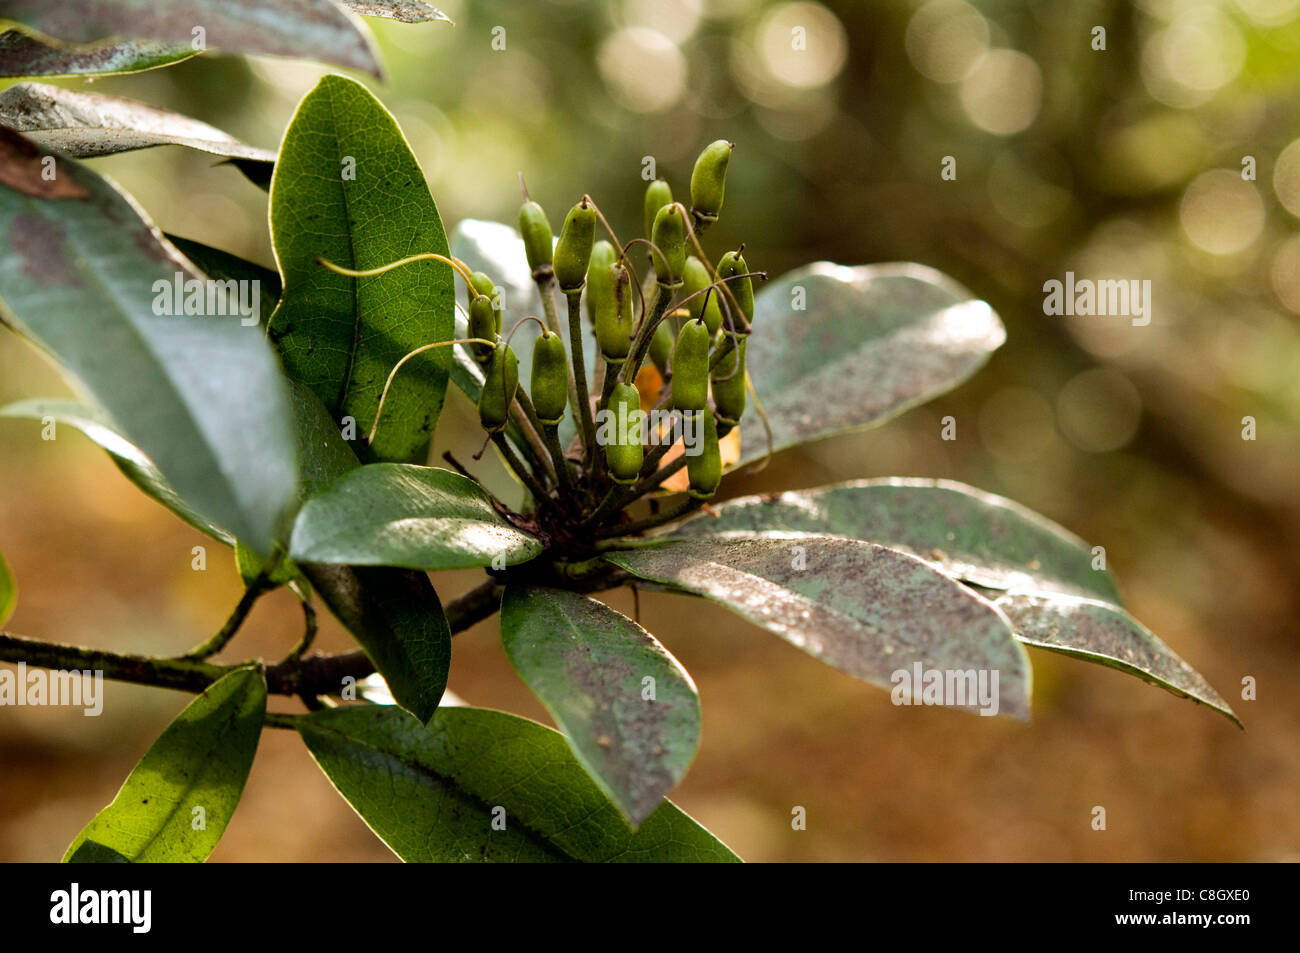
(708,183)
(500,381)
(669,235)
(662,344)
(696,279)
(550,379)
(603,257)
(705,467)
(623,432)
(483,285)
(657,195)
(615,318)
(573,251)
(536,233)
(691,367)
(484,322)
(733,263)
(729,385)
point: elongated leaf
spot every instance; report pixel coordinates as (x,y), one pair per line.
(135,466)
(348,189)
(315,29)
(405,11)
(432,794)
(84,125)
(1098,632)
(969,534)
(8,591)
(24,55)
(629,710)
(396,617)
(395,514)
(223,266)
(201,396)
(195,770)
(869,343)
(865,609)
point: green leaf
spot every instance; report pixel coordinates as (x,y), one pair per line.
(84,125)
(862,608)
(348,189)
(1098,632)
(589,665)
(315,29)
(202,397)
(223,266)
(404,11)
(396,617)
(200,761)
(8,591)
(24,55)
(969,534)
(869,343)
(431,793)
(398,514)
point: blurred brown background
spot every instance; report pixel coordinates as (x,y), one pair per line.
(1122,163)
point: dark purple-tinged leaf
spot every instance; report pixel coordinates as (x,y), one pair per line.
(836,348)
(969,534)
(310,29)
(200,762)
(22,54)
(1106,634)
(84,125)
(865,609)
(433,794)
(201,395)
(396,514)
(629,710)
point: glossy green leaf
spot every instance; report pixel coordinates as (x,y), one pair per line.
(395,514)
(85,125)
(201,396)
(223,266)
(135,466)
(969,534)
(862,608)
(348,189)
(1098,632)
(195,770)
(405,11)
(431,794)
(8,591)
(22,54)
(396,617)
(629,710)
(835,349)
(315,29)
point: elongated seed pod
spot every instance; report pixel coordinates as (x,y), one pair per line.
(709,182)
(657,195)
(483,285)
(573,251)
(623,433)
(695,279)
(550,379)
(705,468)
(662,343)
(603,257)
(733,263)
(615,317)
(536,233)
(484,322)
(500,381)
(690,381)
(729,385)
(669,236)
